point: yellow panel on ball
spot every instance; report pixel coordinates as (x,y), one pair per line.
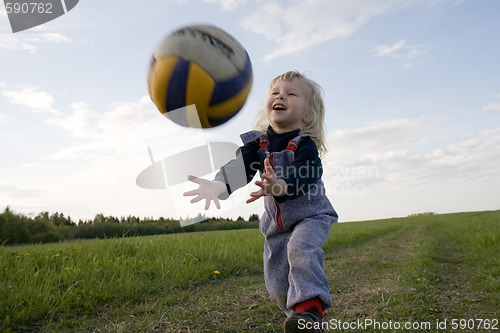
(158,80)
(199,91)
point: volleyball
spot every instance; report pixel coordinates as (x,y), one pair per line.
(199,76)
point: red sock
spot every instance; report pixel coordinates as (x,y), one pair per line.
(310,304)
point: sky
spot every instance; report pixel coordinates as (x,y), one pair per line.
(412,95)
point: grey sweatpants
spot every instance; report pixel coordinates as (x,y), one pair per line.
(293,263)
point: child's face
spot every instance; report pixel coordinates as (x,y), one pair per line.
(286,105)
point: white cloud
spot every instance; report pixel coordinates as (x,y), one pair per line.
(82,123)
(375,136)
(402,50)
(491,107)
(260,22)
(359,157)
(386,174)
(389,50)
(89,124)
(18,192)
(296,26)
(30,41)
(227,4)
(32,98)
(388,153)
(495,106)
(100,134)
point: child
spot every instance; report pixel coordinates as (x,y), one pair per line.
(298,215)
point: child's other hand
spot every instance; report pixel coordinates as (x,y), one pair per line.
(208,190)
(269,185)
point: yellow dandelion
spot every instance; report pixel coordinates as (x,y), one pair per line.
(216,272)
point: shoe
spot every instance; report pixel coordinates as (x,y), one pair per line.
(304,322)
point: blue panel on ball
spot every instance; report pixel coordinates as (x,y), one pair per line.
(226,90)
(221,120)
(176,90)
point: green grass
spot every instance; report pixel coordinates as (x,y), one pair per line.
(416,269)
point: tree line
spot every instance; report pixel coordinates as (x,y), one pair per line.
(16,228)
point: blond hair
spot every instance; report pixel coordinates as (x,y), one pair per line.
(315,108)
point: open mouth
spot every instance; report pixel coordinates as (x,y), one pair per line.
(279,107)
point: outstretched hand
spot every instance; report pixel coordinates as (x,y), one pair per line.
(208,190)
(269,185)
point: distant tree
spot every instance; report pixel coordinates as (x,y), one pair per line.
(59,219)
(99,218)
(69,222)
(45,227)
(253,218)
(13,228)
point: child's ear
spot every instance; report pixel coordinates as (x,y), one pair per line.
(309,117)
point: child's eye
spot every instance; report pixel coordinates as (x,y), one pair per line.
(291,94)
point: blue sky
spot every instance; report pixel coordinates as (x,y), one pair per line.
(412,91)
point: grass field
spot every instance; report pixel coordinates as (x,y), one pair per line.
(442,270)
